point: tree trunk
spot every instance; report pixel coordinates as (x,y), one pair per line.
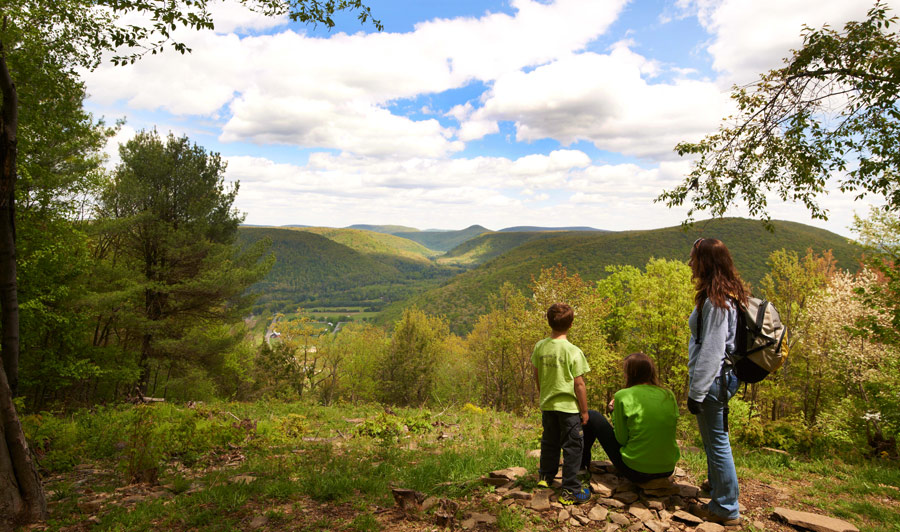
(9,305)
(21,496)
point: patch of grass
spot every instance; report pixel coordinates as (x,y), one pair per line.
(511,519)
(300,451)
(365,523)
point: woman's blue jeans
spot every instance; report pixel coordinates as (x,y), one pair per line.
(719,461)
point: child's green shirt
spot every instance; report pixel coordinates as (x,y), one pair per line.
(558,362)
(644,418)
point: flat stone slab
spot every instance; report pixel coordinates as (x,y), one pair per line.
(656,484)
(707,526)
(601,466)
(612,503)
(641,513)
(600,489)
(687,491)
(619,519)
(815,522)
(688,518)
(663,492)
(510,473)
(598,513)
(627,497)
(519,495)
(656,526)
(476,519)
(540,500)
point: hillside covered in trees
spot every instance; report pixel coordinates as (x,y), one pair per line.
(589,254)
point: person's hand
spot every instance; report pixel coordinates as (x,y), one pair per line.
(611,405)
(695,407)
(584,418)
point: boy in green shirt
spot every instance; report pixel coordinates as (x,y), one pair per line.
(558,369)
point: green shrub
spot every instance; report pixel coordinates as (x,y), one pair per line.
(389,427)
(788,434)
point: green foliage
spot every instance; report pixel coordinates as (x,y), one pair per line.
(485,247)
(372,243)
(169,218)
(647,314)
(880,234)
(312,270)
(830,111)
(389,428)
(785,434)
(142,452)
(292,425)
(407,373)
(442,240)
(501,345)
(466,296)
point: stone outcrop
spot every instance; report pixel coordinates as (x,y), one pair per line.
(814,522)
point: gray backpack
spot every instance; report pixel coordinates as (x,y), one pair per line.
(760,347)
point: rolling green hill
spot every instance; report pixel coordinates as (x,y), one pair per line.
(533,228)
(464,297)
(373,243)
(443,240)
(313,271)
(486,246)
(387,229)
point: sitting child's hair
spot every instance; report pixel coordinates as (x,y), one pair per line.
(640,369)
(560,317)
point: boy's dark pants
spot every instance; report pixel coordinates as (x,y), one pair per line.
(562,431)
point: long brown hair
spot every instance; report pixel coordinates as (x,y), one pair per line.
(640,369)
(714,274)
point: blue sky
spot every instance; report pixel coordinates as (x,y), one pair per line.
(500,113)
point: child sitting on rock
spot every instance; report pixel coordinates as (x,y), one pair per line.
(642,444)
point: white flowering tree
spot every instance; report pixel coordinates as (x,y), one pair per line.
(859,367)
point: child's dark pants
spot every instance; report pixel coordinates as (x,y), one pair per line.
(562,431)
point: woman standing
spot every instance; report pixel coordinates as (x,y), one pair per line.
(642,445)
(713,325)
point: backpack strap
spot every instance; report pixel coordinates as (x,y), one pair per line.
(699,339)
(723,374)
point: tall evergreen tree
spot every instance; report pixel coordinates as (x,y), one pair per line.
(176,226)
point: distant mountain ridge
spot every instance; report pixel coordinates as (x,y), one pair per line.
(531,228)
(443,240)
(486,246)
(371,242)
(386,229)
(464,297)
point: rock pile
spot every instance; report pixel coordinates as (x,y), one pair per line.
(617,504)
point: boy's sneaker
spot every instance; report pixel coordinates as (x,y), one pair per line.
(543,484)
(568,497)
